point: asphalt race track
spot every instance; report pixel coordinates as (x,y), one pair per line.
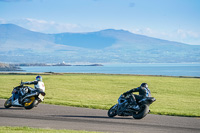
(63,117)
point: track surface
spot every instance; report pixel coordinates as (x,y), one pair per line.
(63,117)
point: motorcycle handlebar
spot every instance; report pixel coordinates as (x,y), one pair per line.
(21,84)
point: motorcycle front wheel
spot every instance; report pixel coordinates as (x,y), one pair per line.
(112,111)
(144,110)
(31,103)
(8,103)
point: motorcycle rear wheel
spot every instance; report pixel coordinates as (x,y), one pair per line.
(112,111)
(144,110)
(8,103)
(31,104)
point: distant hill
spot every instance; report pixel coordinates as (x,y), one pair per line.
(21,45)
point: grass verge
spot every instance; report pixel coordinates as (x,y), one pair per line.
(174,95)
(6,129)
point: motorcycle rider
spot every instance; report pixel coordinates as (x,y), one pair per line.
(143,92)
(38,84)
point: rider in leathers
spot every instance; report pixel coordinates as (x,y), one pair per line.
(143,92)
(38,84)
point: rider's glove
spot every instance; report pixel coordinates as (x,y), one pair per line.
(124,94)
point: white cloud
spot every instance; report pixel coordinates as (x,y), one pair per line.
(2,21)
(184,33)
(180,35)
(47,26)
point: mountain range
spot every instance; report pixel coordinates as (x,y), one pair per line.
(20,45)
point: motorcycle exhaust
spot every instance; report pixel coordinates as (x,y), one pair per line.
(34,94)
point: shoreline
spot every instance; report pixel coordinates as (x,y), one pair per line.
(57,73)
(17,67)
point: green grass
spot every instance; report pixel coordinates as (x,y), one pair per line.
(174,95)
(37,130)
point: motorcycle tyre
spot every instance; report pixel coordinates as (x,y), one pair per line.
(6,104)
(110,112)
(142,113)
(32,104)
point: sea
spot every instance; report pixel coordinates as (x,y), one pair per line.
(165,69)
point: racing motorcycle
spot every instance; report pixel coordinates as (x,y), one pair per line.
(24,96)
(123,108)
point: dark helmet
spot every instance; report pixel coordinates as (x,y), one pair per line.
(39,78)
(145,85)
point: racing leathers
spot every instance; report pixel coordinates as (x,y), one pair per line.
(39,85)
(143,92)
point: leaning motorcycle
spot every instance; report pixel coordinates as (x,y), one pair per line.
(123,108)
(24,96)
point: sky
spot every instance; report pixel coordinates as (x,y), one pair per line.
(173,20)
